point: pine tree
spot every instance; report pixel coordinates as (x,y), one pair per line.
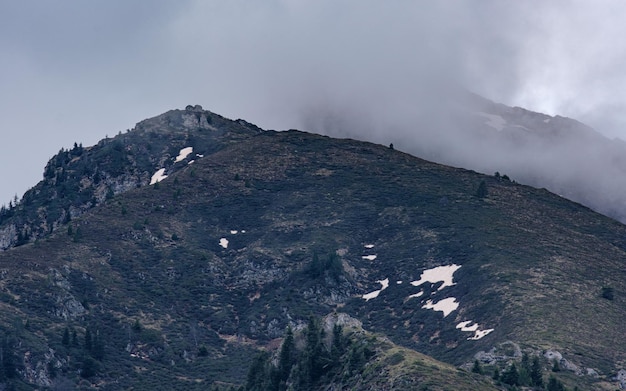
(66,337)
(476,368)
(74,337)
(337,347)
(524,371)
(536,376)
(286,358)
(482,192)
(496,374)
(88,341)
(555,385)
(257,375)
(511,376)
(98,346)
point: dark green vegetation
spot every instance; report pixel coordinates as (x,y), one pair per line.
(140,292)
(324,355)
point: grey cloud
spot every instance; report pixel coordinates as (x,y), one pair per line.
(77,71)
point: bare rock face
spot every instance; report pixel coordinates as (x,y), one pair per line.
(341,319)
(506,351)
(621,378)
(67,307)
(7,236)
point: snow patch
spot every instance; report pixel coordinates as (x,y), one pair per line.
(369,246)
(224,242)
(198,155)
(182,155)
(369,257)
(464,326)
(371,295)
(233,232)
(158,176)
(446,305)
(475,328)
(398,282)
(547,120)
(436,274)
(191,161)
(418,294)
(479,334)
(493,120)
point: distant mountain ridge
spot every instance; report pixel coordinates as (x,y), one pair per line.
(180,283)
(462,129)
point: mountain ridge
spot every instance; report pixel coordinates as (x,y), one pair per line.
(273,226)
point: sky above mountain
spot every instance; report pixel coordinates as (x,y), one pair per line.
(76,71)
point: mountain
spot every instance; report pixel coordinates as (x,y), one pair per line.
(180,283)
(78,179)
(463,129)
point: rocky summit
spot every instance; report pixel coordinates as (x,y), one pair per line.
(197,252)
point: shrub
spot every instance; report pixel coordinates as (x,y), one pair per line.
(607,293)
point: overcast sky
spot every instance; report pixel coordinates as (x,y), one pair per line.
(77,71)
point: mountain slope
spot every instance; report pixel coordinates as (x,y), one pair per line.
(273,226)
(466,130)
(81,178)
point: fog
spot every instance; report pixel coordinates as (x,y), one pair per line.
(379,71)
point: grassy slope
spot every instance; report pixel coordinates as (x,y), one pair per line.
(532,263)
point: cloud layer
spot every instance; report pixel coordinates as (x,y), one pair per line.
(78,71)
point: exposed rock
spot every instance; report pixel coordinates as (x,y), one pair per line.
(7,236)
(506,351)
(569,366)
(553,355)
(274,330)
(68,307)
(621,378)
(341,319)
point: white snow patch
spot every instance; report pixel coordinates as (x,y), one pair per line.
(233,232)
(224,242)
(158,176)
(371,295)
(243,231)
(473,327)
(446,305)
(182,155)
(418,294)
(191,161)
(198,155)
(369,246)
(493,120)
(436,274)
(464,326)
(479,334)
(398,282)
(369,257)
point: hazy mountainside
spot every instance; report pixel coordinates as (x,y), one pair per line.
(466,130)
(181,282)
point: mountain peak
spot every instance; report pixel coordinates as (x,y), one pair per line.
(78,179)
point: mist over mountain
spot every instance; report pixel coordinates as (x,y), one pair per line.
(461,129)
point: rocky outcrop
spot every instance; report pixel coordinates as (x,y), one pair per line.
(67,307)
(7,236)
(621,378)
